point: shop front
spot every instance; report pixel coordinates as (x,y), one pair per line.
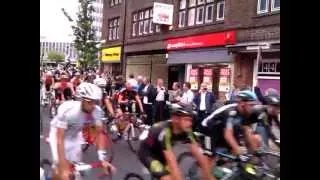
(205,59)
(257,64)
(110,58)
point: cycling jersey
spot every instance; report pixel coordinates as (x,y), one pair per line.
(224,117)
(127,95)
(160,138)
(71,118)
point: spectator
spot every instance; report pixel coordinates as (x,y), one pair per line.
(161,97)
(133,82)
(176,94)
(148,95)
(204,101)
(141,85)
(187,96)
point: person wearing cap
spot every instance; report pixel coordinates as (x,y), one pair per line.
(226,125)
(156,149)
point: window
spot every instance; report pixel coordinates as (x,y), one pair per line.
(275,5)
(114,25)
(134,24)
(142,23)
(200,15)
(198,12)
(220,11)
(114,2)
(263,6)
(269,67)
(209,13)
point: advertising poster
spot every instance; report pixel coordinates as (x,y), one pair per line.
(207,78)
(224,82)
(194,79)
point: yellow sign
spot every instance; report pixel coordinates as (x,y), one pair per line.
(111,55)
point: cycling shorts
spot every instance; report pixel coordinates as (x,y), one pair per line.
(73,151)
(156,166)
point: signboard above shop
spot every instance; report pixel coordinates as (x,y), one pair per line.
(206,40)
(111,55)
(162,13)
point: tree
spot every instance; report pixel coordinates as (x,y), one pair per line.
(57,57)
(85,39)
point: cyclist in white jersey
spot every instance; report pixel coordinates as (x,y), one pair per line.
(66,129)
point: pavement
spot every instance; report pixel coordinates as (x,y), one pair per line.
(124,160)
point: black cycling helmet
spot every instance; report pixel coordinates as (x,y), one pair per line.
(247,95)
(272,100)
(182,111)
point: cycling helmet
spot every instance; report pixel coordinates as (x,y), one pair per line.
(272,100)
(176,109)
(247,95)
(77,74)
(89,91)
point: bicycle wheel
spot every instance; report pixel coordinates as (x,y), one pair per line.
(132,176)
(189,166)
(133,134)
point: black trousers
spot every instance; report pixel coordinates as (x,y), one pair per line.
(148,109)
(159,108)
(197,124)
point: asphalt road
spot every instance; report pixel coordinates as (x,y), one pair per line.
(124,160)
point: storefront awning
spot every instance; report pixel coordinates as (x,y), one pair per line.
(212,55)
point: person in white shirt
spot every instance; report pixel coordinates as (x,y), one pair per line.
(161,98)
(187,96)
(133,82)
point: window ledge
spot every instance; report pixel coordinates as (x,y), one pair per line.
(198,25)
(275,12)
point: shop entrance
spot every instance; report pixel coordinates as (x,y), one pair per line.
(214,70)
(175,74)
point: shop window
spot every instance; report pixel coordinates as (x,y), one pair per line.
(114,3)
(269,67)
(275,5)
(198,12)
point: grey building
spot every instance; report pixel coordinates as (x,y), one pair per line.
(65,48)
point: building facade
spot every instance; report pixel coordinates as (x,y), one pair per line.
(65,48)
(221,42)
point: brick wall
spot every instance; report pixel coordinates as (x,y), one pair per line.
(243,70)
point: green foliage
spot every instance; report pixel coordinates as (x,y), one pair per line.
(55,56)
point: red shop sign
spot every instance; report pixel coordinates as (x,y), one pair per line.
(194,72)
(207,40)
(225,72)
(207,72)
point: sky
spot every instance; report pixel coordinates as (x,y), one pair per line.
(54,26)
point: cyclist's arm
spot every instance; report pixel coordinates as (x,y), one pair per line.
(228,135)
(205,169)
(101,138)
(139,103)
(172,164)
(60,147)
(121,101)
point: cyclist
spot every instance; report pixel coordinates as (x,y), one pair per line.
(226,125)
(125,96)
(48,84)
(61,86)
(156,152)
(76,80)
(66,130)
(267,115)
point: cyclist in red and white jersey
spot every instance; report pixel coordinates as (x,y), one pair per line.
(66,130)
(61,86)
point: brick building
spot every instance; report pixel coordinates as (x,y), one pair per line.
(209,40)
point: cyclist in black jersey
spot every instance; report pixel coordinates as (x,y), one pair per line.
(226,125)
(156,153)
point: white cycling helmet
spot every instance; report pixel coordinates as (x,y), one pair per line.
(100,82)
(89,91)
(49,73)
